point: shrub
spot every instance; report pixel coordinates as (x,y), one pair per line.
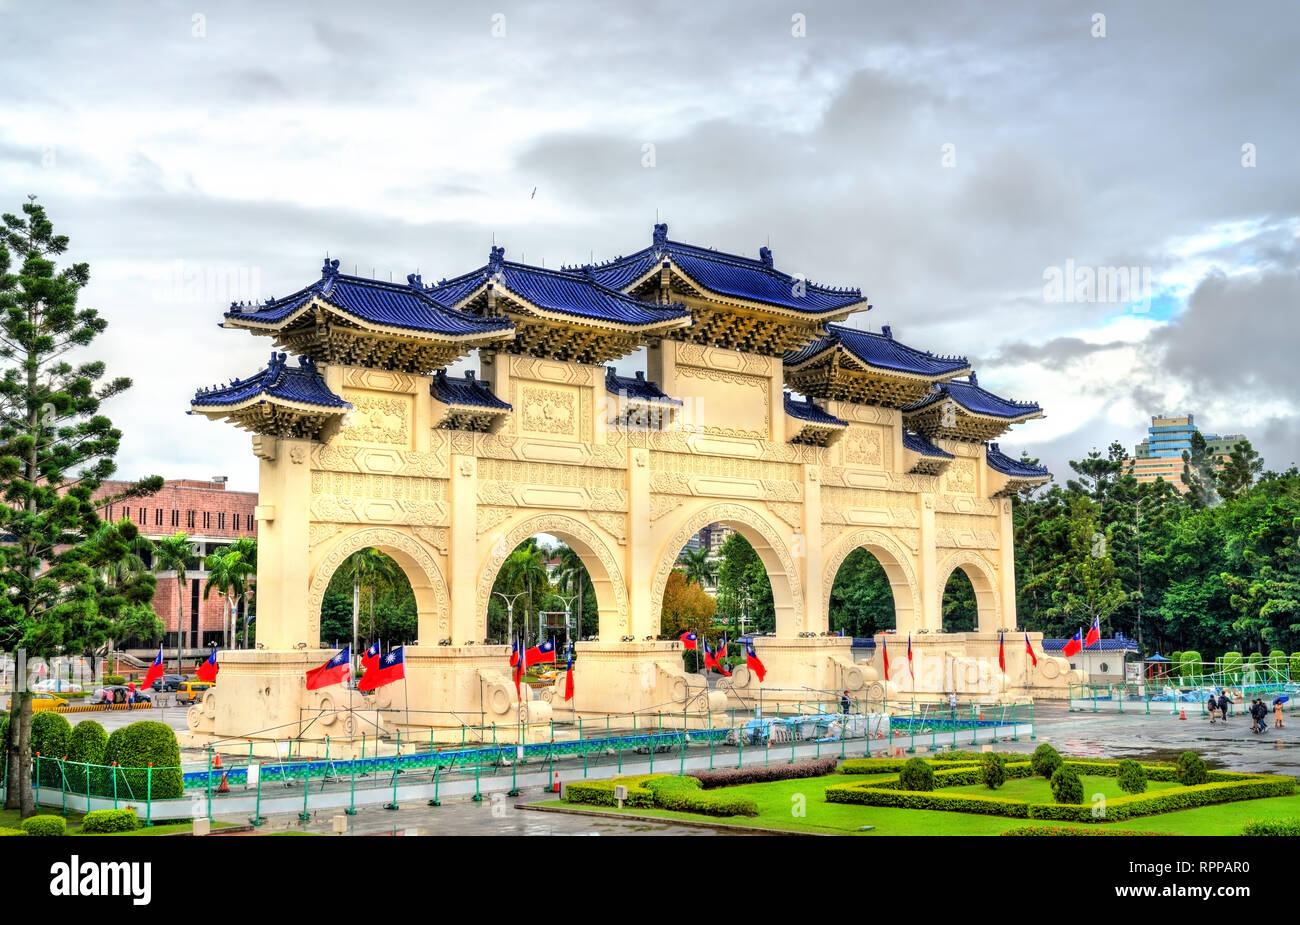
(1190,665)
(944,802)
(50,734)
(692,661)
(1254,658)
(916,775)
(134,748)
(1284,827)
(1276,660)
(707,803)
(1295,666)
(1054,830)
(1045,761)
(1232,663)
(1132,779)
(1254,787)
(4,732)
(1066,786)
(1191,769)
(4,832)
(993,771)
(732,777)
(1175,659)
(601,792)
(44,825)
(114,679)
(110,820)
(672,782)
(86,745)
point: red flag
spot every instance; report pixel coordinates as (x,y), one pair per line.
(1094,635)
(752,662)
(1074,646)
(207,670)
(884,644)
(392,667)
(717,662)
(709,660)
(1002,655)
(155,670)
(568,681)
(688,640)
(337,670)
(540,653)
(909,653)
(1030,650)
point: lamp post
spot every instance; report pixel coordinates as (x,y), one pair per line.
(510,610)
(568,613)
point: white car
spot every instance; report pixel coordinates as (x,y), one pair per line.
(56,686)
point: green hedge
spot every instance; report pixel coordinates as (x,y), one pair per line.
(1232,663)
(704,802)
(50,734)
(1284,827)
(916,775)
(1045,761)
(87,745)
(1295,666)
(1276,660)
(44,825)
(662,791)
(1168,801)
(914,799)
(1054,830)
(113,680)
(4,832)
(1190,665)
(134,748)
(110,820)
(601,792)
(1132,779)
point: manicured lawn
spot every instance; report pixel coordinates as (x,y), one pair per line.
(1038,790)
(9,820)
(778,804)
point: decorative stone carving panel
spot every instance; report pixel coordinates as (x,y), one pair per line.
(378,419)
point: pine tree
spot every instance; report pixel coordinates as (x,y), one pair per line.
(1244,465)
(1198,474)
(55,448)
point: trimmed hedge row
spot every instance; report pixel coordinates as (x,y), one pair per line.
(1285,827)
(4,832)
(733,777)
(937,800)
(45,825)
(110,820)
(1054,830)
(662,791)
(601,792)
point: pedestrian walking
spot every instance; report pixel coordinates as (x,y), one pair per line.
(130,695)
(952,703)
(1223,705)
(845,703)
(1277,714)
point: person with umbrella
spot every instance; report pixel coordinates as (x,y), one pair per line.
(1277,710)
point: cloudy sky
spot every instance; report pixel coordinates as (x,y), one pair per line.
(952,160)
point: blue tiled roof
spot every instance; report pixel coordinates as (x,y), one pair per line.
(576,295)
(755,280)
(302,384)
(976,400)
(388,304)
(880,351)
(637,387)
(1106,645)
(808,410)
(464,391)
(1003,463)
(918,444)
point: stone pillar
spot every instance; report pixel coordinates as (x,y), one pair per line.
(815,617)
(639,565)
(462,555)
(1007,563)
(928,614)
(284,514)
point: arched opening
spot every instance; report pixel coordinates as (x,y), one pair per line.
(368,599)
(542,591)
(861,599)
(755,580)
(959,610)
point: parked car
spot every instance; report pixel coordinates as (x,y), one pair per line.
(47,702)
(191,691)
(56,686)
(168,682)
(117,693)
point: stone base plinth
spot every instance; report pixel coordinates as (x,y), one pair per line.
(618,679)
(812,670)
(968,663)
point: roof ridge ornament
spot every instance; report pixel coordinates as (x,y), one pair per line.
(887,331)
(765,256)
(496,257)
(660,238)
(974,381)
(415,281)
(330,269)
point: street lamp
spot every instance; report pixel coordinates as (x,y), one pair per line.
(510,610)
(568,613)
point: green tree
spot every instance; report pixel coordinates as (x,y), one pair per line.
(1198,473)
(1240,470)
(960,610)
(369,570)
(862,603)
(1086,586)
(55,449)
(246,546)
(686,607)
(523,573)
(175,554)
(743,587)
(699,567)
(228,573)
(572,580)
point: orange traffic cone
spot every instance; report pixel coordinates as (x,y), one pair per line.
(216,760)
(1182,713)
(225,786)
(555,786)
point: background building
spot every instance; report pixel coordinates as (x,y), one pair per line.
(212,517)
(1160,455)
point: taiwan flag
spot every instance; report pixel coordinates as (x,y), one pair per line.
(1094,635)
(689,640)
(1074,646)
(155,670)
(752,662)
(1030,650)
(541,653)
(391,667)
(208,669)
(909,653)
(709,660)
(884,645)
(514,653)
(335,671)
(519,670)
(568,681)
(1002,653)
(717,662)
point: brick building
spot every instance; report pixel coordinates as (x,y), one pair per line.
(213,517)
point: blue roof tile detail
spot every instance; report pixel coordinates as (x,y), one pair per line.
(1001,462)
(918,444)
(392,305)
(976,400)
(755,280)
(464,391)
(302,384)
(808,410)
(1104,645)
(880,351)
(559,292)
(636,387)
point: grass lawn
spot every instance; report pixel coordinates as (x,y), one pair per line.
(9,820)
(1038,790)
(777,803)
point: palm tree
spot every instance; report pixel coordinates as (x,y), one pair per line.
(699,566)
(246,546)
(174,555)
(371,569)
(572,578)
(129,564)
(227,572)
(525,570)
